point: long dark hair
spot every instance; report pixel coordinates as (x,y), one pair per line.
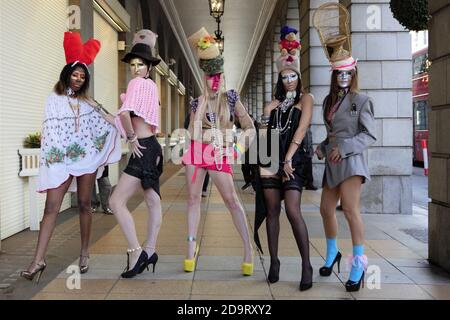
(64,80)
(334,87)
(280,92)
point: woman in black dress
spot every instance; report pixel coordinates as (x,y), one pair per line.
(288,117)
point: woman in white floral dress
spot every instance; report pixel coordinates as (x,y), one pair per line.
(76,145)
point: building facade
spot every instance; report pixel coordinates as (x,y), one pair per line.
(32,56)
(383,49)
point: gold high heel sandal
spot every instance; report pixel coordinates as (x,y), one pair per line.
(189,264)
(29,275)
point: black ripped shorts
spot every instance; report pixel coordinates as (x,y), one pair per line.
(148,168)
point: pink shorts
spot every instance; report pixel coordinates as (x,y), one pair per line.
(201,155)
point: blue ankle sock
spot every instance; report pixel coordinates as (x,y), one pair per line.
(357,267)
(332,251)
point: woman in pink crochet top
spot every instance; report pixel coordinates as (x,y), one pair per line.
(138,121)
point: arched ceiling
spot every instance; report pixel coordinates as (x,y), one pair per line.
(243,25)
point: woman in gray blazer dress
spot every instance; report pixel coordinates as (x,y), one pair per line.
(350,124)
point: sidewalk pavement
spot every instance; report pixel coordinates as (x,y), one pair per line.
(395,245)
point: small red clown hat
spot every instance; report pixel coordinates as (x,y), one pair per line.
(76,51)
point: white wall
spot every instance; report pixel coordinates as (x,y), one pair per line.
(31,58)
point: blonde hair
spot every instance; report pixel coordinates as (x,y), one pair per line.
(224,111)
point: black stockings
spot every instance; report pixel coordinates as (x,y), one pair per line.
(292,201)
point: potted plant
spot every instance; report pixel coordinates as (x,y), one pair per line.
(33,141)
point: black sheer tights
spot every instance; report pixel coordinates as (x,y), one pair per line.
(292,201)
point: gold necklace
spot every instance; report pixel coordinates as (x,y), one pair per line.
(77,114)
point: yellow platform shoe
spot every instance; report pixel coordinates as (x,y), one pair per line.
(189,264)
(247,269)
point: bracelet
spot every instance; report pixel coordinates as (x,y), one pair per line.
(287,161)
(239,148)
(265,120)
(296,142)
(132,137)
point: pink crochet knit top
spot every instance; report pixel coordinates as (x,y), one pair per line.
(141,98)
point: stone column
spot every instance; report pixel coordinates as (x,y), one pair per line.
(249,96)
(315,75)
(276,54)
(254,90)
(439,142)
(260,87)
(293,14)
(168,93)
(383,48)
(268,75)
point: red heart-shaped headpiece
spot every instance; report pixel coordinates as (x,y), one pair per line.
(77,51)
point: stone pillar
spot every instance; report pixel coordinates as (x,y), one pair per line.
(383,48)
(293,14)
(268,75)
(168,92)
(249,96)
(254,90)
(315,76)
(276,54)
(439,142)
(260,87)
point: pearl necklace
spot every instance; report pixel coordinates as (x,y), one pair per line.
(216,141)
(284,106)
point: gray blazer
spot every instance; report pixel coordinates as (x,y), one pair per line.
(353,132)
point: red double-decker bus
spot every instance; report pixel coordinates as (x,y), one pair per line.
(420,102)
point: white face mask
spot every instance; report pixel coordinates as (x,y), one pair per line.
(138,68)
(290,77)
(344,79)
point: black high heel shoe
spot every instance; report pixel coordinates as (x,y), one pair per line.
(274,272)
(326,271)
(306,285)
(140,264)
(84,264)
(152,260)
(352,286)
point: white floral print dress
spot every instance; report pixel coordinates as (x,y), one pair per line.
(69,148)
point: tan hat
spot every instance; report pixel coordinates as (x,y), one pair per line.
(205,44)
(332,23)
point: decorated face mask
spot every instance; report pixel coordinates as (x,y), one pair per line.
(344,79)
(290,80)
(214,81)
(138,68)
(289,77)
